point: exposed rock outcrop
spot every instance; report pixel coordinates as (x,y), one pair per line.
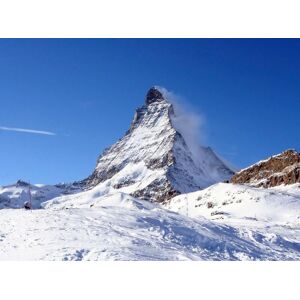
(279,169)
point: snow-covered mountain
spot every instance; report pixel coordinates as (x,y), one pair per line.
(222,222)
(191,214)
(153,161)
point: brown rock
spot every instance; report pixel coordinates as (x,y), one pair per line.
(280,169)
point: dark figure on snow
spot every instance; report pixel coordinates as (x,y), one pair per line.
(27,205)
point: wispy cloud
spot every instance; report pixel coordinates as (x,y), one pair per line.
(33,131)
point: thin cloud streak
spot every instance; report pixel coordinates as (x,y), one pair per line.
(33,131)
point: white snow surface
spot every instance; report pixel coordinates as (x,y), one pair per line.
(91,226)
(232,201)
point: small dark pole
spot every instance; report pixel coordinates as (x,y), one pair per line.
(30,197)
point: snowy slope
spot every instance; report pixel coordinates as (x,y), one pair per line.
(120,227)
(254,224)
(153,160)
(280,205)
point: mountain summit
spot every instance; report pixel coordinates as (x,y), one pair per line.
(154,95)
(153,160)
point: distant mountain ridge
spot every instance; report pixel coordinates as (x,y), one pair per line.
(283,168)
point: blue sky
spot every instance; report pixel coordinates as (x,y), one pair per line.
(86,90)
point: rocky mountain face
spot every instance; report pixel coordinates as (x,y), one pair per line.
(153,161)
(280,169)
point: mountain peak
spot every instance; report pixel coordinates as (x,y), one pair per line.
(154,95)
(153,161)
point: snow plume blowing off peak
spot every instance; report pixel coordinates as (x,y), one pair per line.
(160,156)
(188,123)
